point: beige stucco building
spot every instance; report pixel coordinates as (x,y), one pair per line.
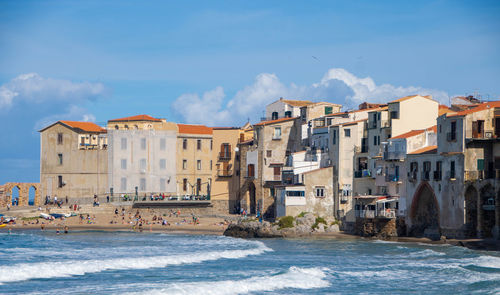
(73,161)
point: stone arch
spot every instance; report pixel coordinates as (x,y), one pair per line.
(486,210)
(31,197)
(15,195)
(252,196)
(24,187)
(424,212)
(471,212)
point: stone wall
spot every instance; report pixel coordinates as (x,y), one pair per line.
(375,227)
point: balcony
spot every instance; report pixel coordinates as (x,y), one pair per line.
(394,155)
(392,178)
(426,175)
(438,175)
(224,156)
(224,173)
(362,173)
(386,213)
(412,176)
(365,213)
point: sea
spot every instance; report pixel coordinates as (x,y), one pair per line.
(93,262)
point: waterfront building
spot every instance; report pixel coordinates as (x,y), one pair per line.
(141,156)
(73,161)
(195,147)
(454,188)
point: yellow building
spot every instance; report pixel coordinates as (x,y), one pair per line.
(194,160)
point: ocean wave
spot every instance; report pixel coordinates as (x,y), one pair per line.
(425,253)
(27,271)
(486,261)
(294,278)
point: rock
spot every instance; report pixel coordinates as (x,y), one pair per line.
(330,219)
(303,229)
(307,220)
(321,228)
(332,228)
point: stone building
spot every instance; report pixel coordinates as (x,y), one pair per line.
(194,160)
(454,187)
(142,156)
(73,161)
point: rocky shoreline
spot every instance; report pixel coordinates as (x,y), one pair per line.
(286,227)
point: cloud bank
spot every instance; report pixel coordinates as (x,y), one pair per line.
(62,97)
(337,86)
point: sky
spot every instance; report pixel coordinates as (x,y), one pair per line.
(220,63)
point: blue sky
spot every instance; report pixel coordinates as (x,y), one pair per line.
(220,63)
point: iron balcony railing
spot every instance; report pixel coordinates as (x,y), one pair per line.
(362,173)
(392,178)
(224,156)
(224,173)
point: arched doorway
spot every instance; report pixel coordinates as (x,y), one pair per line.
(487,211)
(31,196)
(471,212)
(15,195)
(424,212)
(251,190)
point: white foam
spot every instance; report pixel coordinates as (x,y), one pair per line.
(295,277)
(486,261)
(425,253)
(26,271)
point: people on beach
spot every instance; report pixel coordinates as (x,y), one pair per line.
(66,229)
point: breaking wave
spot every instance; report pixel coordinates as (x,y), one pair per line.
(27,271)
(295,277)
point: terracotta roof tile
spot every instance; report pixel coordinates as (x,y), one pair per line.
(415,132)
(136,118)
(264,123)
(297,103)
(481,107)
(84,126)
(432,149)
(194,129)
(444,109)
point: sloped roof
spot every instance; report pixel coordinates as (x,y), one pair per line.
(381,108)
(297,103)
(444,109)
(194,129)
(136,118)
(264,123)
(415,132)
(350,123)
(432,149)
(481,107)
(79,127)
(411,96)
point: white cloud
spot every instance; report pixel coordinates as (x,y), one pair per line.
(337,86)
(72,113)
(35,89)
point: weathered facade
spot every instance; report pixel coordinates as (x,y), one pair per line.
(73,161)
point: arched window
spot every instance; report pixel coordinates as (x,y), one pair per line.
(274,116)
(116,127)
(288,114)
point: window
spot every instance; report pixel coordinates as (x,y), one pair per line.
(210,164)
(198,144)
(269,153)
(288,114)
(277,133)
(60,158)
(60,182)
(394,115)
(320,192)
(453,131)
(123,144)
(414,166)
(295,193)
(198,186)
(184,164)
(251,170)
(211,144)
(378,140)
(452,169)
(347,132)
(162,184)
(163,164)
(438,172)
(198,164)
(59,138)
(328,110)
(123,184)
(142,184)
(184,184)
(142,164)
(374,140)
(274,116)
(480,164)
(225,151)
(143,143)
(426,170)
(116,127)
(123,164)
(163,144)
(334,137)
(185,144)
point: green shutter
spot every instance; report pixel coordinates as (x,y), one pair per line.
(328,110)
(480,164)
